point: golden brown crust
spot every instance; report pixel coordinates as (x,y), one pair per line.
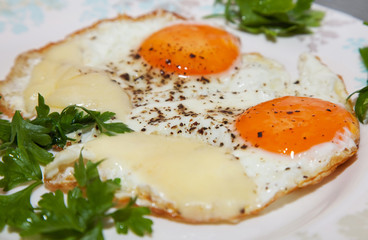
(65,186)
(166,211)
(17,71)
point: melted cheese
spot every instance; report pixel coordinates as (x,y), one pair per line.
(196,180)
(200,180)
(63,80)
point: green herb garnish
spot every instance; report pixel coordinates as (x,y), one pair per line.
(73,118)
(25,143)
(272,17)
(361,104)
(16,208)
(82,216)
(88,208)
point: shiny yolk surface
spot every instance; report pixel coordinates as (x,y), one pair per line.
(290,125)
(190,49)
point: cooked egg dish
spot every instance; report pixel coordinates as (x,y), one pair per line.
(218,134)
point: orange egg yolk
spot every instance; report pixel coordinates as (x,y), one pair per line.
(291,125)
(189,49)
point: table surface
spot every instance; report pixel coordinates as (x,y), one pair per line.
(356,8)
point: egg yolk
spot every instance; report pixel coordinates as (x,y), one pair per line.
(291,125)
(189,49)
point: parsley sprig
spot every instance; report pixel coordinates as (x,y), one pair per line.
(272,17)
(361,104)
(25,143)
(83,214)
(73,118)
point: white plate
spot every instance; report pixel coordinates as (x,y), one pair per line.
(335,209)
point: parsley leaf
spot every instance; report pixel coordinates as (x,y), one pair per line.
(132,218)
(85,173)
(29,136)
(22,152)
(5,130)
(17,168)
(53,216)
(16,208)
(86,210)
(106,128)
(361,104)
(364,54)
(272,17)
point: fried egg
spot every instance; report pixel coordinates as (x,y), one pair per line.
(218,134)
